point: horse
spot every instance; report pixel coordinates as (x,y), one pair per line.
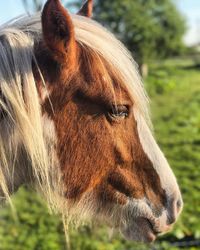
(75,125)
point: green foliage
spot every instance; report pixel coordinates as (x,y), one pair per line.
(30,227)
(177,126)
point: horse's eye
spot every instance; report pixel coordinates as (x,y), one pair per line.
(118,112)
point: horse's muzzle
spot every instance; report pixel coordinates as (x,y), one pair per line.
(146,226)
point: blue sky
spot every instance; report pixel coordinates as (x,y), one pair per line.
(190,8)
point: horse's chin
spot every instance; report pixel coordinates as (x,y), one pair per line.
(136,221)
(140,230)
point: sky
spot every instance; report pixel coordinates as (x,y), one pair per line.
(190,8)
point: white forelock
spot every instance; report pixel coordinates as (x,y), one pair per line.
(94,36)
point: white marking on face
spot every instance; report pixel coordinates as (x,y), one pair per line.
(160,164)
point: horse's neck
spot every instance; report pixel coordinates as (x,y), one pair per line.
(19,173)
(15,169)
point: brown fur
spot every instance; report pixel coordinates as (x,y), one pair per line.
(58,32)
(94,151)
(86,9)
(92,157)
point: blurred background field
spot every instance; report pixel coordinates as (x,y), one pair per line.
(173,83)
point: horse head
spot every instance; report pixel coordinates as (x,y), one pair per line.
(94,113)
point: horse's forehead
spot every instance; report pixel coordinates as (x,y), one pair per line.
(95,76)
(99,77)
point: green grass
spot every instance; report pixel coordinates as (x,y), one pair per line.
(176,118)
(174,87)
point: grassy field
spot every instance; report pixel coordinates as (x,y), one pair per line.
(176,118)
(174,87)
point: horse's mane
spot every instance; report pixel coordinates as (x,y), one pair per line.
(22,128)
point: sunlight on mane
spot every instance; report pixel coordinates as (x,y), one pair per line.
(94,36)
(24,126)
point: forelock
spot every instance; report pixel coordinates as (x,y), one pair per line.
(95,37)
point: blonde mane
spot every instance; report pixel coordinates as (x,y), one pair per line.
(22,131)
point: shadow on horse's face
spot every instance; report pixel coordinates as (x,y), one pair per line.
(104,146)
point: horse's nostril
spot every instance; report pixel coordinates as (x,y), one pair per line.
(171,219)
(174,209)
(179,204)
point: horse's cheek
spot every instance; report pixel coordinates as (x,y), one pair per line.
(85,151)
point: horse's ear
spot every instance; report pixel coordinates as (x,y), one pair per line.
(58,31)
(86,9)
